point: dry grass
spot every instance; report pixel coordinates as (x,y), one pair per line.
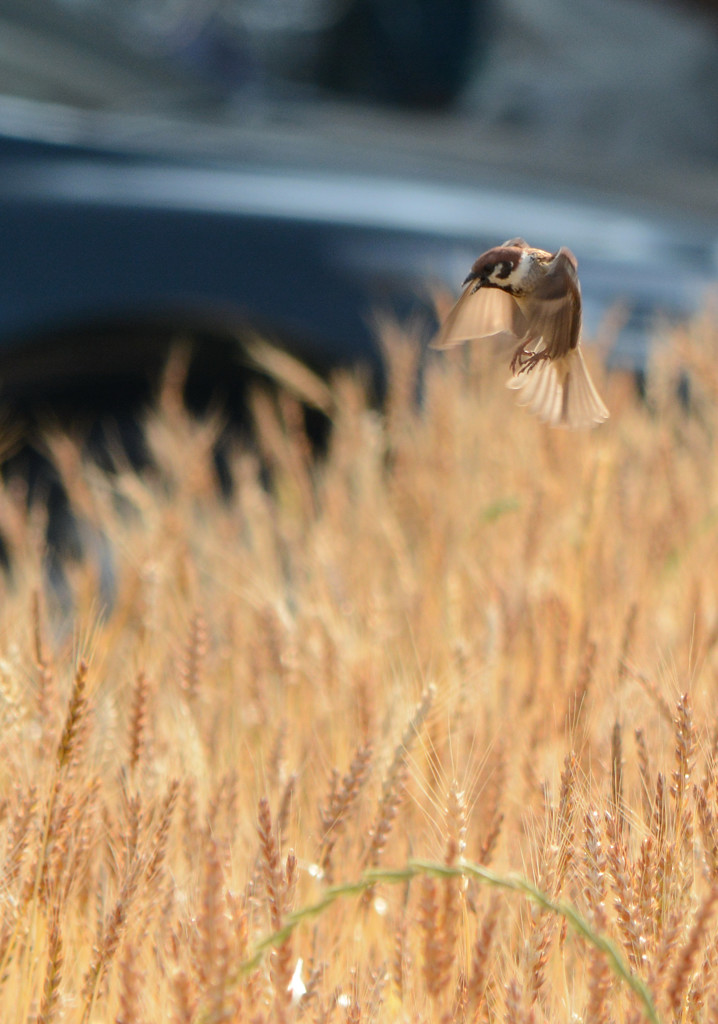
(433,719)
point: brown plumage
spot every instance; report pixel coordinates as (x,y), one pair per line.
(532,296)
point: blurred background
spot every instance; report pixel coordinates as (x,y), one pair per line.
(424,130)
(625,81)
(210,169)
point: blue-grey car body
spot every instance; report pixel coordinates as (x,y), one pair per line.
(95,227)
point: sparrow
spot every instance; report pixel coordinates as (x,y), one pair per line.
(535,297)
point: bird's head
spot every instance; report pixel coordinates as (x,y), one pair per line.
(503,267)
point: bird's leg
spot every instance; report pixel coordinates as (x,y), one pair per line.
(525,360)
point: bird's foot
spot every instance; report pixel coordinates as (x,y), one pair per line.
(524,361)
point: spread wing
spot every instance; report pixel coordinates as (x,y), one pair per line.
(481,313)
(553,308)
(516,243)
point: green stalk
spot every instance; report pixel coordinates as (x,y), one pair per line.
(415,868)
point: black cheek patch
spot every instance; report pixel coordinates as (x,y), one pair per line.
(503,270)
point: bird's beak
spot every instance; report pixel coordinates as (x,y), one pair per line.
(473,277)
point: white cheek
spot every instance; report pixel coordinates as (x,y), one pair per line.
(522,272)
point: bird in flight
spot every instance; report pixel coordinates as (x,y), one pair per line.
(535,297)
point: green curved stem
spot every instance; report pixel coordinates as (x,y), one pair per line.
(414,868)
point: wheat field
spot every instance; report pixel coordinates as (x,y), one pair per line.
(422,729)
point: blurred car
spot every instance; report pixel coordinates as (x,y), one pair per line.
(222,211)
(158,184)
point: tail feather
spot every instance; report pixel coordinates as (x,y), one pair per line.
(560,392)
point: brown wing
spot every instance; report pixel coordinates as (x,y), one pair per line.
(516,243)
(481,314)
(553,308)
